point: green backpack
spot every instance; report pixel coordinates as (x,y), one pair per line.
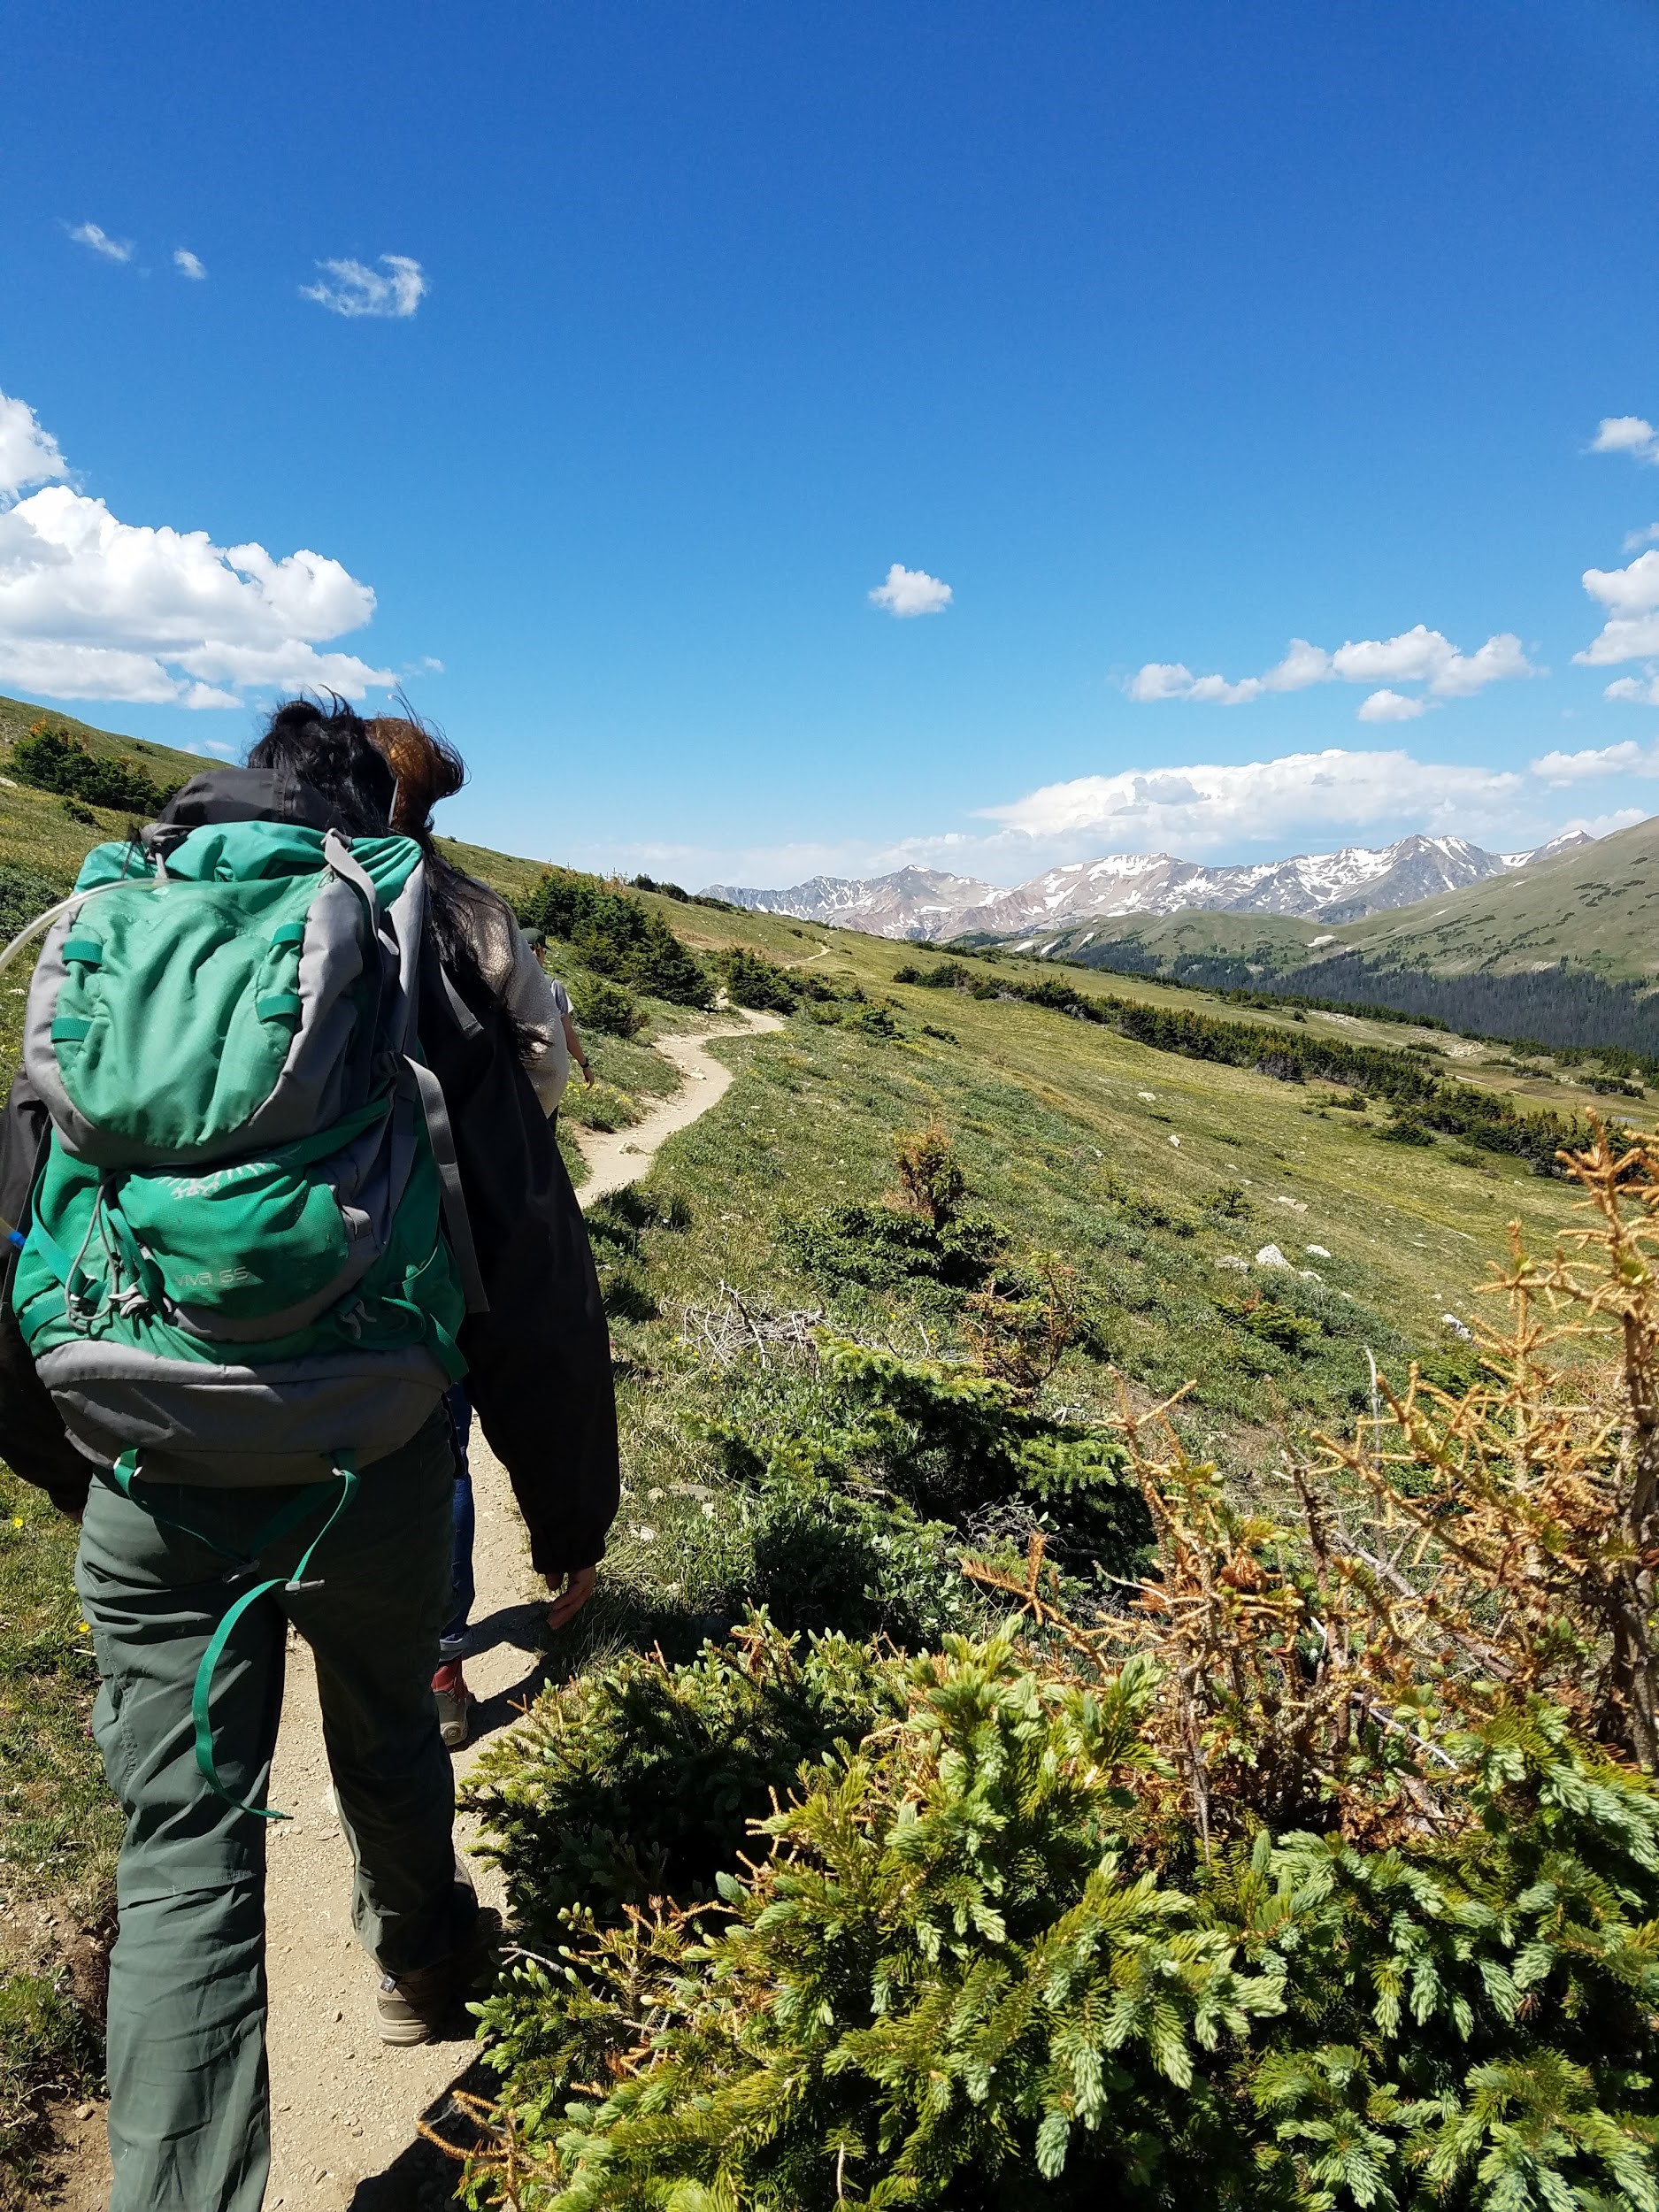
(236,1270)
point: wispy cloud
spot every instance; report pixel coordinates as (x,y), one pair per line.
(187,264)
(911,591)
(94,608)
(98,239)
(1626,434)
(1416,656)
(391,293)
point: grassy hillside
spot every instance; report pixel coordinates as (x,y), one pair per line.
(36,829)
(1566,953)
(1226,951)
(790,1440)
(1117,1198)
(1597,907)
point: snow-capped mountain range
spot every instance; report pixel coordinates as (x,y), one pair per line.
(1341,886)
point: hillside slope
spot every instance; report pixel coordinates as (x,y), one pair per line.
(1597,907)
(37,832)
(1565,950)
(1191,1221)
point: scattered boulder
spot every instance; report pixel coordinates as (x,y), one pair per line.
(1270,1256)
(1234,1259)
(1316,1251)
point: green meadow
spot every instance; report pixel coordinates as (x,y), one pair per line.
(1116,1198)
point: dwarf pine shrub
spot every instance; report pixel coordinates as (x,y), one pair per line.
(965,1974)
(1321,1873)
(940,1440)
(607,1009)
(751,979)
(56,761)
(618,936)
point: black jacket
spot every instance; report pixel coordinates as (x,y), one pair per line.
(539,1360)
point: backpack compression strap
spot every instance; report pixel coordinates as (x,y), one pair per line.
(122,1476)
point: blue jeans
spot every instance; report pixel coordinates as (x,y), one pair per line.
(462,1590)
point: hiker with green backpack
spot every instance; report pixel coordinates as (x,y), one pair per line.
(281,1180)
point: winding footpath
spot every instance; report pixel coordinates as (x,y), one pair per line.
(343,2105)
(613,1161)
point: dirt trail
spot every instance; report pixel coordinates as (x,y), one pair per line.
(343,2106)
(613,1161)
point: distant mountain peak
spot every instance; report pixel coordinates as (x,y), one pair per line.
(926,904)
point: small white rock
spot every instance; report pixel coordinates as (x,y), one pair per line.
(1270,1256)
(1311,1275)
(1233,1259)
(644,1535)
(1459,1328)
(1296,1205)
(1145,1093)
(1316,1251)
(1175,1140)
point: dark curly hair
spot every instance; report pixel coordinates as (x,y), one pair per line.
(330,747)
(382,776)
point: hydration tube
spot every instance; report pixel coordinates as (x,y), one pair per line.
(45,920)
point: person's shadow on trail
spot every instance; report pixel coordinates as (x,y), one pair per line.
(525,1628)
(421,2179)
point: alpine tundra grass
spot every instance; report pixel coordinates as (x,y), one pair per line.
(1127,1219)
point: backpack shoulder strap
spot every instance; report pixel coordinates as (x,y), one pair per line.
(458,1226)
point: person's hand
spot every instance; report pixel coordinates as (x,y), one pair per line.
(570,1592)
(588,1077)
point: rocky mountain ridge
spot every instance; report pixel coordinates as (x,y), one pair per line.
(926,904)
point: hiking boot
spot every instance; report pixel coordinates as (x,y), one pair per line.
(416,2006)
(454,1701)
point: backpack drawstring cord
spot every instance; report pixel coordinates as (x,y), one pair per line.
(121,1478)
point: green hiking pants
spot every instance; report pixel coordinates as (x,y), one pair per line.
(190,2104)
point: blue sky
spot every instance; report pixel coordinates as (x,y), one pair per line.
(1161,335)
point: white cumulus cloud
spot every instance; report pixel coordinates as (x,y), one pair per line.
(908,591)
(1391,706)
(28,455)
(1640,691)
(94,608)
(1625,759)
(393,291)
(187,264)
(95,236)
(1631,632)
(1416,655)
(1194,810)
(1626,434)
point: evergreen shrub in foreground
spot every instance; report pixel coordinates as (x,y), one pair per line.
(1324,1874)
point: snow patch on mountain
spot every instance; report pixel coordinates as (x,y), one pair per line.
(923,904)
